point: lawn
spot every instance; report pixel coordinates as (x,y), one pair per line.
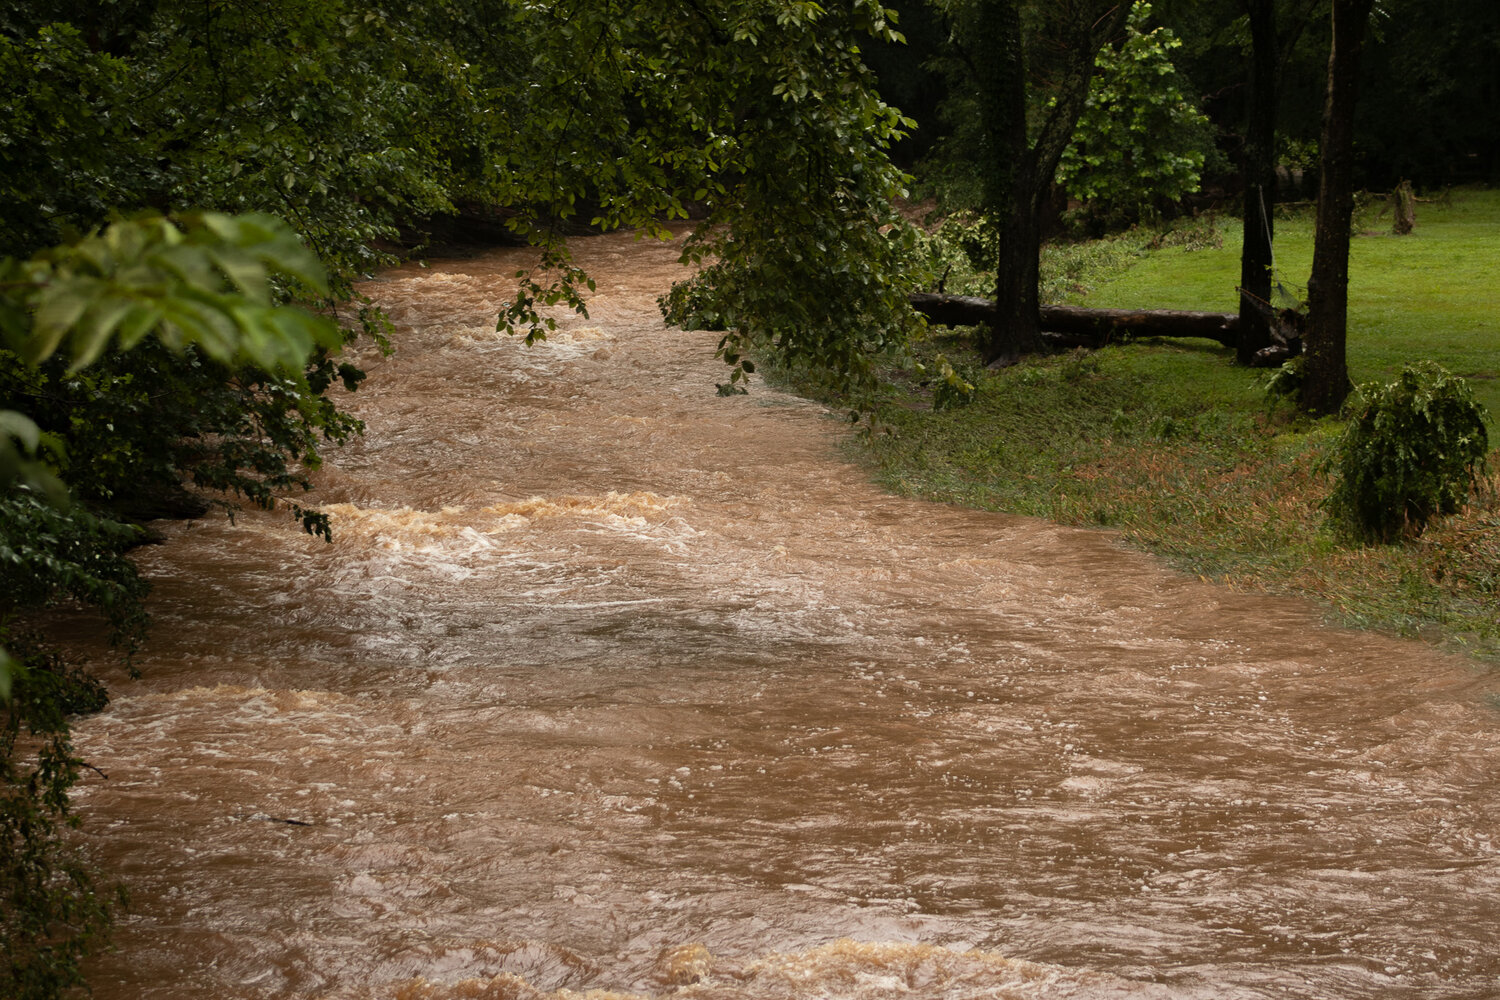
(1430,295)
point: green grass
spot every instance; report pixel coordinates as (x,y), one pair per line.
(1180,450)
(1430,295)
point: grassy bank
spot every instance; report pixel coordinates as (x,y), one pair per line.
(1181,451)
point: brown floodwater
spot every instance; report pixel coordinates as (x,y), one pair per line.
(610,684)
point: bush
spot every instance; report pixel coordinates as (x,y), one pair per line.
(1413,450)
(1285,383)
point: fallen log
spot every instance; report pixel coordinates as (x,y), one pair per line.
(953,310)
(1223,327)
(1088,327)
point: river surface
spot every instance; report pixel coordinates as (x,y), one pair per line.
(608,683)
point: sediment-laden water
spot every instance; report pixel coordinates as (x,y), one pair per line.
(608,683)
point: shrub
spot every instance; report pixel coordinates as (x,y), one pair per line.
(1285,383)
(1413,450)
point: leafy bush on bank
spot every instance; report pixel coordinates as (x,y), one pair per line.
(1414,450)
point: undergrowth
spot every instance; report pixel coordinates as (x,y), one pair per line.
(960,246)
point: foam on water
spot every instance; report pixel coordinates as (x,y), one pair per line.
(840,970)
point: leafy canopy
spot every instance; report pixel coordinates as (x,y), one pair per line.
(802,256)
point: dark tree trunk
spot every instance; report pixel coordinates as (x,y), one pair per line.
(1008,172)
(1016,325)
(1404,203)
(1260,182)
(1020,158)
(1325,381)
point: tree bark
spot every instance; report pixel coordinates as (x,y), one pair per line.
(1404,199)
(1325,382)
(1015,325)
(1260,182)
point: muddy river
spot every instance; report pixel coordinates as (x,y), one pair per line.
(610,684)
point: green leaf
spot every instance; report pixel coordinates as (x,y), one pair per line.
(60,307)
(94,328)
(244,271)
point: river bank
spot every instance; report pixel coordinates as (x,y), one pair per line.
(1188,457)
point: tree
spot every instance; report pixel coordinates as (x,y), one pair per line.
(805,254)
(1271,42)
(1325,381)
(1140,145)
(1027,68)
(1259,165)
(204,288)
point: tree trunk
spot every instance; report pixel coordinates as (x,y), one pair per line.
(1001,73)
(1405,202)
(1021,158)
(1016,325)
(1325,381)
(1260,182)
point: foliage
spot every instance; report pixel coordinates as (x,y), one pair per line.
(803,255)
(950,388)
(205,283)
(957,257)
(59,132)
(303,108)
(205,288)
(1285,382)
(20,442)
(51,553)
(1413,451)
(1071,269)
(355,124)
(51,912)
(1140,143)
(219,394)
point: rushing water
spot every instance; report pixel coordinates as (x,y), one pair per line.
(608,683)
